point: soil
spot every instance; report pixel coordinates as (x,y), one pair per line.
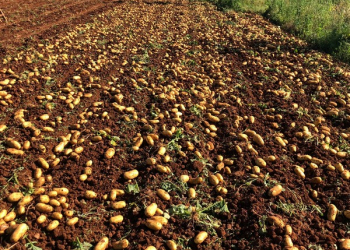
(165,58)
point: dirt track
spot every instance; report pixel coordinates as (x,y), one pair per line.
(237,105)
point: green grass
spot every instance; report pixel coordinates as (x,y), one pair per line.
(323,23)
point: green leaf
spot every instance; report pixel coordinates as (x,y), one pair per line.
(181,211)
(133,188)
(216,208)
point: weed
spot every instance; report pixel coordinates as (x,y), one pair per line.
(180,187)
(173,144)
(262,224)
(81,246)
(31,244)
(196,110)
(314,247)
(28,191)
(132,188)
(204,216)
(262,105)
(182,242)
(291,208)
(343,145)
(92,214)
(181,211)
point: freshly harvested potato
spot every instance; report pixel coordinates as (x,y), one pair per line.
(201,237)
(110,153)
(118,205)
(72,221)
(276,190)
(14,197)
(161,219)
(121,244)
(102,244)
(153,224)
(151,210)
(164,195)
(43,208)
(171,244)
(116,219)
(332,212)
(345,244)
(19,232)
(52,225)
(132,174)
(89,194)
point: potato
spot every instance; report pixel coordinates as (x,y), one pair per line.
(280,141)
(10,216)
(288,241)
(52,194)
(60,147)
(161,219)
(13,151)
(110,153)
(151,161)
(316,180)
(72,221)
(201,237)
(276,190)
(346,214)
(19,232)
(61,191)
(332,212)
(153,224)
(43,208)
(56,216)
(41,219)
(260,162)
(13,144)
(20,210)
(191,193)
(164,195)
(151,248)
(44,117)
(288,230)
(195,181)
(52,225)
(258,139)
(3,213)
(116,219)
(213,180)
(171,244)
(184,178)
(118,205)
(151,210)
(345,244)
(54,202)
(276,221)
(44,198)
(3,127)
(162,150)
(89,194)
(121,244)
(102,244)
(345,174)
(14,197)
(299,171)
(132,174)
(43,163)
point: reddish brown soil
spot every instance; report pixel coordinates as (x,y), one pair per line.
(228,65)
(28,20)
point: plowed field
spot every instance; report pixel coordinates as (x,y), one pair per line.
(159,125)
